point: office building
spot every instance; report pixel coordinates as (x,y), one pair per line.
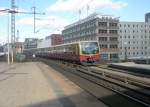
(30,43)
(147,17)
(134,40)
(56,39)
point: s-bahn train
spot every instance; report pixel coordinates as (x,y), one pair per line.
(83,52)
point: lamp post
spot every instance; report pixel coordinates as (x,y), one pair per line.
(8,39)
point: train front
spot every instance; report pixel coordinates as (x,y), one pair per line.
(89,53)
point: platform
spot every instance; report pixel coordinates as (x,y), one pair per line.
(133,67)
(35,84)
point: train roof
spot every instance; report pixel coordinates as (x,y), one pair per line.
(73,43)
(61,45)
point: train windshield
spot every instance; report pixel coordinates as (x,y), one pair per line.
(89,48)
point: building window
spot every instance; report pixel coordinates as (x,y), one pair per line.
(113,56)
(103,46)
(113,24)
(102,38)
(103,24)
(129,53)
(113,39)
(133,31)
(102,31)
(133,25)
(113,31)
(113,46)
(105,56)
(142,53)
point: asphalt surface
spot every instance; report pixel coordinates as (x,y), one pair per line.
(34,84)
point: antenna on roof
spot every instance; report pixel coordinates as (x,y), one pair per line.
(88,8)
(79,13)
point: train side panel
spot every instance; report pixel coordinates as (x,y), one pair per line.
(68,52)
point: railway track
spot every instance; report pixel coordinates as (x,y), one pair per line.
(136,91)
(125,86)
(124,71)
(124,77)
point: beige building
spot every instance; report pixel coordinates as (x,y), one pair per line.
(103,29)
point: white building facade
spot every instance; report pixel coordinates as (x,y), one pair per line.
(134,40)
(43,43)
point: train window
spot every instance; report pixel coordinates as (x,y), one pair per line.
(89,48)
(77,49)
(73,48)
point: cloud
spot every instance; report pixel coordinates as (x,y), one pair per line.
(3,13)
(50,22)
(73,5)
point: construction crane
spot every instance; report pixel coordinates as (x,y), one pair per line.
(13,11)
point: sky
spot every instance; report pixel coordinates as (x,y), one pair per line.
(60,13)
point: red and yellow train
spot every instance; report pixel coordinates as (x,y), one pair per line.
(83,52)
